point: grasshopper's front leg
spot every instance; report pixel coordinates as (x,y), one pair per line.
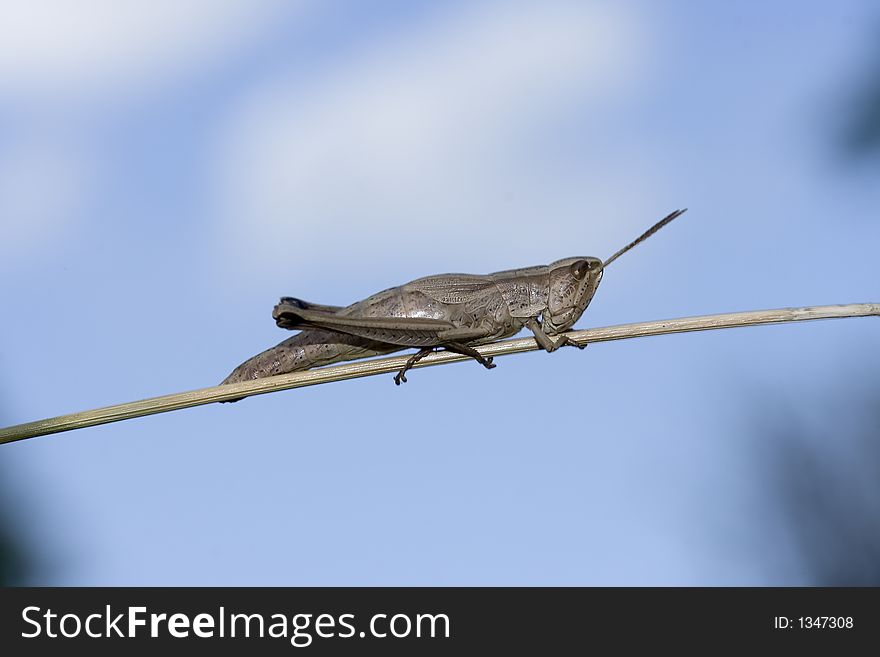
(545,341)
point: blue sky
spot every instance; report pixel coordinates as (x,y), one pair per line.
(169,169)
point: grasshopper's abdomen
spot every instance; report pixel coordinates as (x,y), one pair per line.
(305,350)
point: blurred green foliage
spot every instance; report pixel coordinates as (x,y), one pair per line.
(861,130)
(825,484)
(13,562)
(13,571)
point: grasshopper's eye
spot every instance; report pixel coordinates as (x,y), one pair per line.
(579,269)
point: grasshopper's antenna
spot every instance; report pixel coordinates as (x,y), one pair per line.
(641,238)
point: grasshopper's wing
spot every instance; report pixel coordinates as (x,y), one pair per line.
(453,288)
(404,331)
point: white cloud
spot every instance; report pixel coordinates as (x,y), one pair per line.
(425,139)
(101,46)
(56,53)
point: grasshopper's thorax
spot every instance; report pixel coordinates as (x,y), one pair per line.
(524,290)
(573,282)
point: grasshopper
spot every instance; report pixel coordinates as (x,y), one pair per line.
(455,312)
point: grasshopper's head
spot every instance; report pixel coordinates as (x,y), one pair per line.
(573,282)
